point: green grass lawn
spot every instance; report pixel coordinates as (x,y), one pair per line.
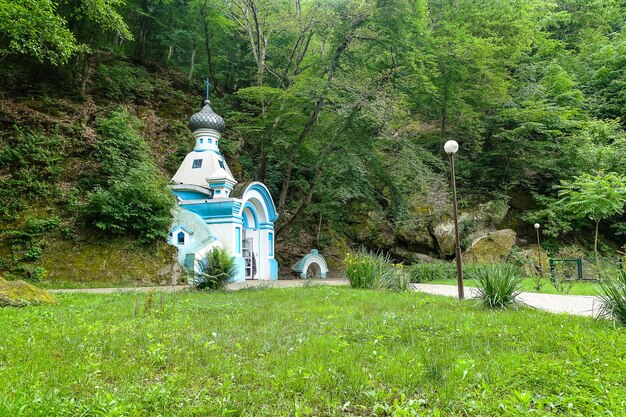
(323,351)
(528,285)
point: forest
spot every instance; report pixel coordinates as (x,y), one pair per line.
(341,107)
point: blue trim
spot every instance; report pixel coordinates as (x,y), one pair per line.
(213,208)
(238,239)
(273,269)
(190,195)
(223,222)
(182,227)
(220,184)
(253,210)
(267,198)
(241,269)
(270,239)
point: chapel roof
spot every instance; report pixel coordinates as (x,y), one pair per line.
(206,119)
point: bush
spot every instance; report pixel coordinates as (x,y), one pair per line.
(613,296)
(498,285)
(428,272)
(132,197)
(374,270)
(214,270)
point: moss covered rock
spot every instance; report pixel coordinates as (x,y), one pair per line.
(21,294)
(444,234)
(495,247)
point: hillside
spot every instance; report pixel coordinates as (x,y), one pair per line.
(341,109)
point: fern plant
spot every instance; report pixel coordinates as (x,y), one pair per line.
(214,271)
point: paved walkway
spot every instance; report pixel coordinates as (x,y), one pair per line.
(580,305)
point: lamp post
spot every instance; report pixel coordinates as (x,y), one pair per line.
(451,147)
(537,226)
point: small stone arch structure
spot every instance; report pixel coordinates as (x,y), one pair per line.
(311,265)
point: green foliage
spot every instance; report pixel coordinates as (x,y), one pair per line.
(30,167)
(498,285)
(613,296)
(594,196)
(214,271)
(427,272)
(374,270)
(39,28)
(124,81)
(27,243)
(132,197)
(32,27)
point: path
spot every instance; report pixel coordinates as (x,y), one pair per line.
(232,286)
(580,305)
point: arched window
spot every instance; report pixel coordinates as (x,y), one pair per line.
(181,238)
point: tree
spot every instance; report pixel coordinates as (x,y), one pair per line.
(595,196)
(34,28)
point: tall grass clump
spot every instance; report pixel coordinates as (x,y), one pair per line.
(434,271)
(498,285)
(374,270)
(214,271)
(613,296)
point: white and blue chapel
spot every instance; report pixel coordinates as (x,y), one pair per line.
(214,210)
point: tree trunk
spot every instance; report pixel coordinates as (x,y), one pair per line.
(294,152)
(319,169)
(305,202)
(192,62)
(595,248)
(332,67)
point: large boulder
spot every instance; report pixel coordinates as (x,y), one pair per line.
(21,294)
(472,224)
(444,234)
(410,257)
(495,247)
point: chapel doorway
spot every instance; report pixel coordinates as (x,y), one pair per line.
(249,258)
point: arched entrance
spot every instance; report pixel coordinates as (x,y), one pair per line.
(251,242)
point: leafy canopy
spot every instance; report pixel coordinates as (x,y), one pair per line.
(595,196)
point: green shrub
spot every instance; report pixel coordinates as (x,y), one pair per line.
(30,167)
(131,198)
(613,296)
(434,271)
(498,284)
(214,270)
(373,270)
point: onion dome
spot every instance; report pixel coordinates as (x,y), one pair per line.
(206,119)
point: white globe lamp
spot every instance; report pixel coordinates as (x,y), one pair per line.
(451,147)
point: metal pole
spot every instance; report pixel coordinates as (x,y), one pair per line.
(539,254)
(459,267)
